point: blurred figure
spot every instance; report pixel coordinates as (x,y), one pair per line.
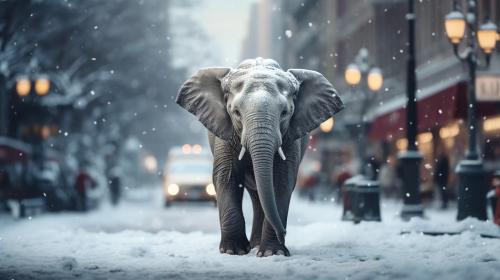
(372,168)
(4,181)
(389,181)
(441,173)
(5,185)
(309,185)
(83,183)
(114,187)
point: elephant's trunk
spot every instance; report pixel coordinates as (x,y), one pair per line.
(262,144)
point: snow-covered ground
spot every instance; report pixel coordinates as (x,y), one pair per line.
(146,241)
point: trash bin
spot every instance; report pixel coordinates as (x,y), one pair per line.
(366,205)
(348,195)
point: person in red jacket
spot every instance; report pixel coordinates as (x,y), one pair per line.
(82,183)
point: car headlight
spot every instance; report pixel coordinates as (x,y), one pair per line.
(173,189)
(210,189)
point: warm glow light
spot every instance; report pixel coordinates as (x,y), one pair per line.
(491,124)
(173,189)
(327,125)
(425,137)
(186,149)
(150,163)
(45,132)
(352,75)
(375,79)
(210,189)
(197,149)
(487,37)
(402,144)
(449,131)
(42,86)
(23,86)
(455,26)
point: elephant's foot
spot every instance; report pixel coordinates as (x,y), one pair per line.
(271,247)
(255,242)
(234,246)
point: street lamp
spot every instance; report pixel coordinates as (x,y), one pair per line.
(471,184)
(327,125)
(375,79)
(455,26)
(354,75)
(42,86)
(487,37)
(23,86)
(411,158)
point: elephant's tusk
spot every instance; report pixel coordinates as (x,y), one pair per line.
(242,153)
(282,155)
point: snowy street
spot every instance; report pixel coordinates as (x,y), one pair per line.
(147,241)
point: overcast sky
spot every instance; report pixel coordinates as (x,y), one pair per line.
(226,23)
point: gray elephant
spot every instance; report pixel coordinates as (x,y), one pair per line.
(259,108)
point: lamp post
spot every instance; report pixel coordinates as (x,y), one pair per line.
(410,159)
(41,87)
(471,182)
(370,79)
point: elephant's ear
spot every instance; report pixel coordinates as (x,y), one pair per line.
(316,102)
(202,96)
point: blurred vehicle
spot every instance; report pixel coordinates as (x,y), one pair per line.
(31,183)
(188,175)
(17,193)
(48,179)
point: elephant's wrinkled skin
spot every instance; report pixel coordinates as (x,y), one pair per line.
(258,117)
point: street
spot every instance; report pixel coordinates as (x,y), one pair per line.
(147,241)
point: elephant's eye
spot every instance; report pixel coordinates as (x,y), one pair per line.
(237,113)
(284,113)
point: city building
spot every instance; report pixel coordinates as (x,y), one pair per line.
(327,35)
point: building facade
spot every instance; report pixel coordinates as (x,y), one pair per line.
(326,35)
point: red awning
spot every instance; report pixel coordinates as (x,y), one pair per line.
(435,110)
(13,151)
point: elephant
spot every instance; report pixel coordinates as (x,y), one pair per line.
(260,108)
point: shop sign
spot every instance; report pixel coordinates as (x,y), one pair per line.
(488,87)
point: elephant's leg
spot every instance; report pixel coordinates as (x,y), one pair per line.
(229,200)
(258,220)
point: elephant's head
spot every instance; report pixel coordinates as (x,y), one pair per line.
(263,107)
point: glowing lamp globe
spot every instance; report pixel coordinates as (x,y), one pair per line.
(375,79)
(352,75)
(23,86)
(42,86)
(487,37)
(455,26)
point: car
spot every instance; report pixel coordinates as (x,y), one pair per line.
(188,175)
(18,194)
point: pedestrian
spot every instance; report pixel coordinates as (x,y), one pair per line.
(441,174)
(372,168)
(115,189)
(83,183)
